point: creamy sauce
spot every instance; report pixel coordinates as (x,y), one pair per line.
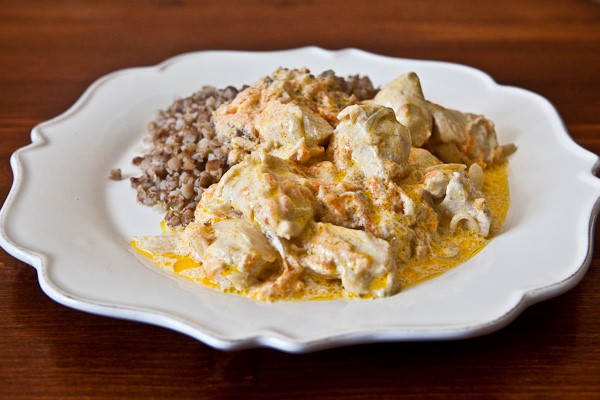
(496,189)
(339,200)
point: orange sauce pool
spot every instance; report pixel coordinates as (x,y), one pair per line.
(496,189)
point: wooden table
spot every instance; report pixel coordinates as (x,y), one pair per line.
(51,51)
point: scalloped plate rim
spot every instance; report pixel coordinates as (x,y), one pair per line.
(271,339)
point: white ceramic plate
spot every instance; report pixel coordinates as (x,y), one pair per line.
(64,217)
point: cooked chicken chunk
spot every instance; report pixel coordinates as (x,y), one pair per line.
(240,256)
(419,161)
(376,205)
(289,102)
(456,197)
(363,262)
(291,131)
(405,96)
(341,205)
(272,192)
(369,141)
(465,138)
(452,136)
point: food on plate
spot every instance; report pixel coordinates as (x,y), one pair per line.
(451,135)
(185,156)
(327,187)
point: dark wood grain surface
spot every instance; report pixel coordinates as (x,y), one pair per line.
(50,51)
